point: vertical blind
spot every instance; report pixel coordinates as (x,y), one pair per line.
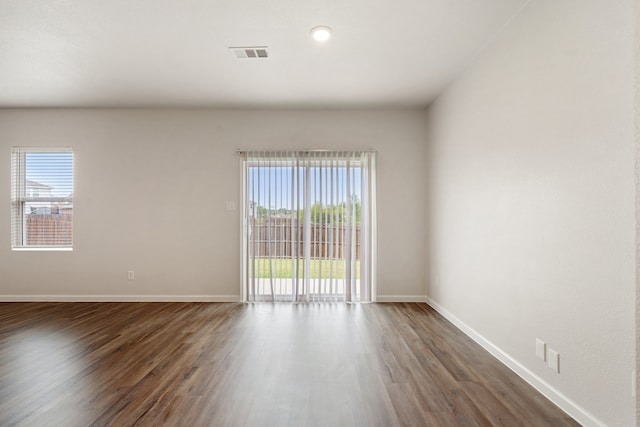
(41,198)
(309,226)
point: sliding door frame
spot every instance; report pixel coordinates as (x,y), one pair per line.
(368,251)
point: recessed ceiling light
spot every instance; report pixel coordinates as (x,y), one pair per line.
(321,33)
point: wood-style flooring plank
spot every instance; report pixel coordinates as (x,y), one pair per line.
(231,364)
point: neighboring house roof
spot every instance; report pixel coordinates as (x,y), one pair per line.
(34,184)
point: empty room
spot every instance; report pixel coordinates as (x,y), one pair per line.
(285,213)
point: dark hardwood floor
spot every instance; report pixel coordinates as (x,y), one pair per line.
(226,364)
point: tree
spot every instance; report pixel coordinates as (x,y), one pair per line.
(336,214)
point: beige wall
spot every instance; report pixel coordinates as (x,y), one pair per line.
(531,201)
(151,187)
(637,164)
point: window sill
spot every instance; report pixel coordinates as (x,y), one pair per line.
(42,249)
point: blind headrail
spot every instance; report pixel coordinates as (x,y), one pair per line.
(305,151)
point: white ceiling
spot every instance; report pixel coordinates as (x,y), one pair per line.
(83,53)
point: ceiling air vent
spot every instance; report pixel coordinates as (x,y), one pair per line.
(248,52)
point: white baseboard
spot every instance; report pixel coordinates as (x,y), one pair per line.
(562,401)
(120,298)
(401,298)
(168,298)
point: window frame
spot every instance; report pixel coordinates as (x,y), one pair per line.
(20,199)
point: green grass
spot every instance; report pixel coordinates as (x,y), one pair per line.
(283,268)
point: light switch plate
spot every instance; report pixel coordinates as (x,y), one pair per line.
(554,360)
(230,206)
(541,350)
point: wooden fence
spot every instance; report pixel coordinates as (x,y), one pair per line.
(273,237)
(49,229)
(280,237)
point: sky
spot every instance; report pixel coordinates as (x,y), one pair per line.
(281,180)
(54,169)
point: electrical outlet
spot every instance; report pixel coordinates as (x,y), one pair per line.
(541,350)
(131,275)
(554,360)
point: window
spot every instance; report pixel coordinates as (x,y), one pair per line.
(309,226)
(41,198)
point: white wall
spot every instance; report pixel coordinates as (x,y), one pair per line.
(151,186)
(531,200)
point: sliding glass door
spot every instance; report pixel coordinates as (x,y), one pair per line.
(309,226)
